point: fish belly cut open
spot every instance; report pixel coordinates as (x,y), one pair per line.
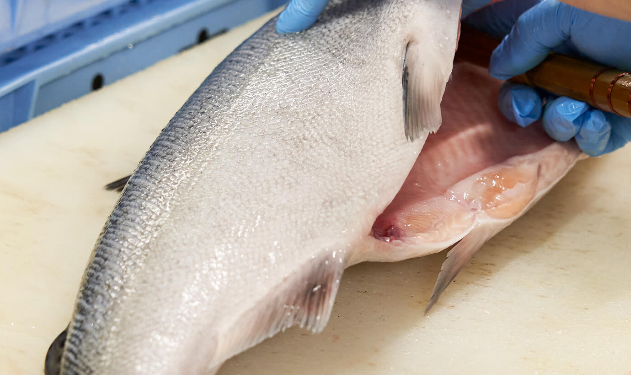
(474,177)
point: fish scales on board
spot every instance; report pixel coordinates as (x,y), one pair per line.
(240,219)
(296,158)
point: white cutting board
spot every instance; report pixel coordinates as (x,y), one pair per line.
(549,295)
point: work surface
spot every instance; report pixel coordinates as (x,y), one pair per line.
(550,294)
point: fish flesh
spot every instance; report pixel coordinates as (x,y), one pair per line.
(299,156)
(239,220)
(475,176)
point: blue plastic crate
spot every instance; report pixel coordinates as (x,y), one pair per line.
(67,51)
(31,20)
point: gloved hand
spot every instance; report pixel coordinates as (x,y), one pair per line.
(554,26)
(300,14)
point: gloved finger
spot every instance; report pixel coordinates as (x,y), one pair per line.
(593,136)
(498,19)
(299,15)
(470,6)
(620,133)
(563,117)
(519,104)
(536,33)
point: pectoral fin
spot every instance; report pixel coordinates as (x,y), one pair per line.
(423,88)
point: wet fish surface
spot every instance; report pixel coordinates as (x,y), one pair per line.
(241,217)
(299,156)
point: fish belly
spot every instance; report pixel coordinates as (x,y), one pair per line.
(474,177)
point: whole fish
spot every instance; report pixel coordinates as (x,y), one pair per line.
(298,157)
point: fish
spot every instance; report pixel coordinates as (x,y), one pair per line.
(299,156)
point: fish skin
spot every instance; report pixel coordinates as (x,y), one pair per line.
(240,218)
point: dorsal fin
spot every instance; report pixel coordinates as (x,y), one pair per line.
(118,185)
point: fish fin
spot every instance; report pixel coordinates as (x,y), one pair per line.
(424,81)
(304,299)
(52,363)
(460,255)
(118,185)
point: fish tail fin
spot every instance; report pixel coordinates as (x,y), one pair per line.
(460,255)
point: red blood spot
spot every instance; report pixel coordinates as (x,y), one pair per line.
(385,231)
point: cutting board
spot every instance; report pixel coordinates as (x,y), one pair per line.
(551,294)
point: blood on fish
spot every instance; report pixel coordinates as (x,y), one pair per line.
(389,233)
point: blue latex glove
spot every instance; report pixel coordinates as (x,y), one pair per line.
(554,26)
(300,14)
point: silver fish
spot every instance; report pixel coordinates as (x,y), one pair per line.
(242,216)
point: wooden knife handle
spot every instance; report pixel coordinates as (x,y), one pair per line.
(603,87)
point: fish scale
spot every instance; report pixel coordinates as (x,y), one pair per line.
(254,222)
(181,284)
